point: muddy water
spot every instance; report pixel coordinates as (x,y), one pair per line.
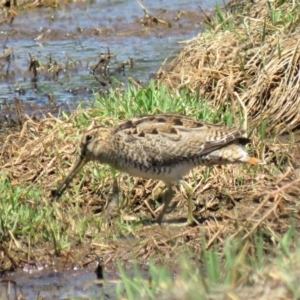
(54,285)
(73,37)
(66,44)
(65,284)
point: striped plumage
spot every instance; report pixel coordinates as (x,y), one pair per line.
(163,147)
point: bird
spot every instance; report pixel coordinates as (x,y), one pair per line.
(162,147)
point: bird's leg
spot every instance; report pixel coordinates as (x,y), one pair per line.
(115,199)
(167,199)
(189,190)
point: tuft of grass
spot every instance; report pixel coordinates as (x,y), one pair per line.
(156,99)
(248,53)
(237,271)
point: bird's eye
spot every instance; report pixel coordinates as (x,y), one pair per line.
(88,138)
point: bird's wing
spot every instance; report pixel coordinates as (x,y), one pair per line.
(167,138)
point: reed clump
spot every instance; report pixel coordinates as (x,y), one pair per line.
(249,56)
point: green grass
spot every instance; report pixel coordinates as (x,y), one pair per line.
(237,269)
(152,100)
(279,16)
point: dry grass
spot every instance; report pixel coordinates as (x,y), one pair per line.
(273,282)
(33,3)
(233,201)
(250,57)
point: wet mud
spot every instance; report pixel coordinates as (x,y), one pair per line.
(79,284)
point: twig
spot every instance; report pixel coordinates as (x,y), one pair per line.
(245,123)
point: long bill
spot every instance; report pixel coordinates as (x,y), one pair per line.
(64,185)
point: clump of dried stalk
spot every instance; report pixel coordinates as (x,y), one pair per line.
(253,55)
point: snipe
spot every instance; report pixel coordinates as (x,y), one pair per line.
(163,147)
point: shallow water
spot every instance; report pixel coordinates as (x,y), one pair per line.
(78,284)
(34,284)
(76,34)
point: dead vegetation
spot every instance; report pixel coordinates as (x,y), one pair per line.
(271,283)
(9,9)
(230,201)
(251,57)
